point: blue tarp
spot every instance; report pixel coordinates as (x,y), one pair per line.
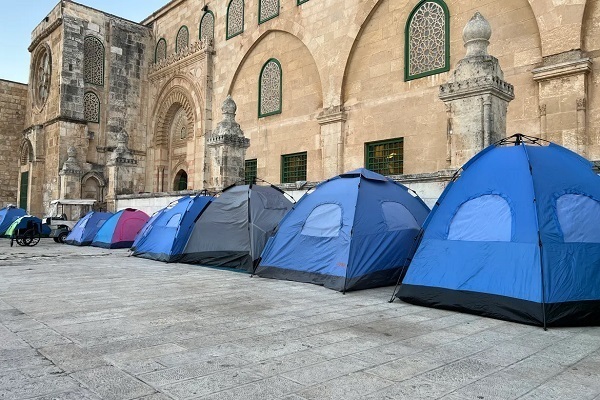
(354,231)
(516,236)
(8,215)
(86,228)
(166,233)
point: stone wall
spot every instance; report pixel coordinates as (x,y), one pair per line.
(13,103)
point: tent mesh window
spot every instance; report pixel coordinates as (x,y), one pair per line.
(267,9)
(293,167)
(91,107)
(207,26)
(235,18)
(269,96)
(183,39)
(93,61)
(161,50)
(250,167)
(385,157)
(427,44)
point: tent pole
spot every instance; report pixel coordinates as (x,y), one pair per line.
(406,262)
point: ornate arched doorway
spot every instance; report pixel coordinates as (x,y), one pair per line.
(181,181)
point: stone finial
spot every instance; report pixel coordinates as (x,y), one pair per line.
(229,107)
(71,166)
(121,153)
(476,36)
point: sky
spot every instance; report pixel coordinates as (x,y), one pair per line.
(19,17)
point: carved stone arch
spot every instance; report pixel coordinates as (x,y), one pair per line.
(176,99)
(277,24)
(181,168)
(26,152)
(92,186)
(94,175)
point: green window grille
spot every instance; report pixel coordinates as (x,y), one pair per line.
(293,167)
(93,61)
(250,168)
(235,18)
(161,50)
(207,26)
(270,88)
(91,107)
(427,40)
(23,190)
(267,9)
(385,157)
(182,40)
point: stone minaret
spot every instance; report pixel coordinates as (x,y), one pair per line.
(476,96)
(227,147)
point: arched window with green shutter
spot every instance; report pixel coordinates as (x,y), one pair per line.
(270,88)
(160,53)
(207,26)
(235,18)
(183,39)
(427,40)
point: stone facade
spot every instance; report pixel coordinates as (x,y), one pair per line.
(343,86)
(13,100)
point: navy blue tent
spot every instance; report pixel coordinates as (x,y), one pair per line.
(165,235)
(355,231)
(86,228)
(515,236)
(8,215)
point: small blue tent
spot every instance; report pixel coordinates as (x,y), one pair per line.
(120,230)
(355,231)
(165,235)
(86,228)
(8,215)
(515,236)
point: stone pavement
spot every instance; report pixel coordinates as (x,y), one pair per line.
(86,323)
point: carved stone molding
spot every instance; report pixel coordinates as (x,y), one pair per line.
(477,86)
(44,34)
(581,104)
(184,57)
(581,66)
(332,115)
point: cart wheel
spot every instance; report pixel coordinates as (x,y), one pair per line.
(21,242)
(55,240)
(31,237)
(35,239)
(62,237)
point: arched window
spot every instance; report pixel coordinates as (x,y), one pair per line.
(267,9)
(325,220)
(161,50)
(235,18)
(579,218)
(207,26)
(26,152)
(93,61)
(427,40)
(486,218)
(182,40)
(269,90)
(181,180)
(91,107)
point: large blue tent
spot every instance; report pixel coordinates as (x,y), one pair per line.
(515,236)
(8,215)
(354,231)
(86,228)
(165,235)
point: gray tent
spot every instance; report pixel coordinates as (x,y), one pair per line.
(234,228)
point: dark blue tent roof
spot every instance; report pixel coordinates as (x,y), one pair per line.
(166,233)
(8,215)
(516,236)
(86,228)
(354,231)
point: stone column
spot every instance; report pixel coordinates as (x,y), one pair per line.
(476,95)
(227,149)
(562,80)
(70,176)
(332,121)
(121,170)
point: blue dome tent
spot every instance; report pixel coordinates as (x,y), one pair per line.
(165,235)
(355,231)
(86,228)
(515,236)
(8,215)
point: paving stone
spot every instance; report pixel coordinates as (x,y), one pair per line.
(461,372)
(289,362)
(406,367)
(561,389)
(111,383)
(353,386)
(325,371)
(270,388)
(71,357)
(36,387)
(205,385)
(415,389)
(76,394)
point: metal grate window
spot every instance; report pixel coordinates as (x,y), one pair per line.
(293,167)
(385,157)
(250,168)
